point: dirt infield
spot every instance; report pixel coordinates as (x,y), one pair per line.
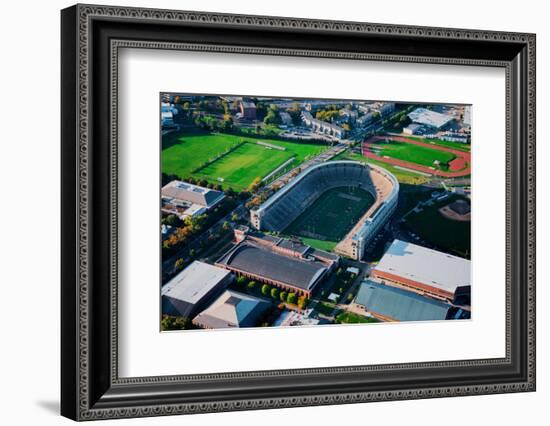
(460,166)
(451,214)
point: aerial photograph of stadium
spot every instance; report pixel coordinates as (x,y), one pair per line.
(279,212)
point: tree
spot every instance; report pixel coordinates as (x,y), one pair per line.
(178,264)
(234,217)
(302,302)
(192,253)
(265,289)
(170,322)
(171,220)
(274,292)
(241,280)
(226,226)
(255,184)
(282,296)
(350,297)
(251,285)
(291,298)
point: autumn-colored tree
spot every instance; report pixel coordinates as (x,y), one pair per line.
(302,302)
(255,184)
(178,264)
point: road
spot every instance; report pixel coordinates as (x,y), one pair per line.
(168,267)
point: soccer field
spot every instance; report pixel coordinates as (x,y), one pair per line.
(331,216)
(241,166)
(186,155)
(413,153)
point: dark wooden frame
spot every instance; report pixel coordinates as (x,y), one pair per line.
(91,37)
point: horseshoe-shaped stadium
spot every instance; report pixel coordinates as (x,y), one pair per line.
(287,204)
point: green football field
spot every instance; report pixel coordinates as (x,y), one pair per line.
(331,216)
(186,155)
(413,153)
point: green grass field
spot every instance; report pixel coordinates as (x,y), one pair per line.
(413,153)
(331,216)
(244,164)
(447,234)
(448,144)
(353,318)
(320,244)
(183,154)
(403,176)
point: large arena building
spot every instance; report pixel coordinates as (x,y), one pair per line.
(287,204)
(424,271)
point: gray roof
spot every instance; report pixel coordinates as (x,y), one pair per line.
(191,193)
(194,282)
(232,309)
(425,266)
(398,304)
(429,118)
(266,263)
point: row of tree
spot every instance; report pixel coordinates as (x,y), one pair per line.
(273,292)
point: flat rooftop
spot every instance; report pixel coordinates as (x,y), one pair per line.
(194,282)
(429,118)
(232,309)
(257,260)
(425,266)
(397,304)
(191,193)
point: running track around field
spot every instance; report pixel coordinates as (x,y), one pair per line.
(456,166)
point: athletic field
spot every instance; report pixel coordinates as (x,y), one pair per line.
(242,165)
(433,227)
(327,221)
(216,156)
(413,153)
(403,175)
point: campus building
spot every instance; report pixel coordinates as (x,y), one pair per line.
(288,265)
(193,289)
(232,310)
(248,110)
(413,129)
(424,271)
(184,199)
(323,127)
(432,119)
(387,303)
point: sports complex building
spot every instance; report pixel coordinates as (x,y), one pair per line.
(286,264)
(424,271)
(387,303)
(280,210)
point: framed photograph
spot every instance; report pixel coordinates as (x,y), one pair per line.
(263,212)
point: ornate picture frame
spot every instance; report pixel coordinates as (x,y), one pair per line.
(91,37)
